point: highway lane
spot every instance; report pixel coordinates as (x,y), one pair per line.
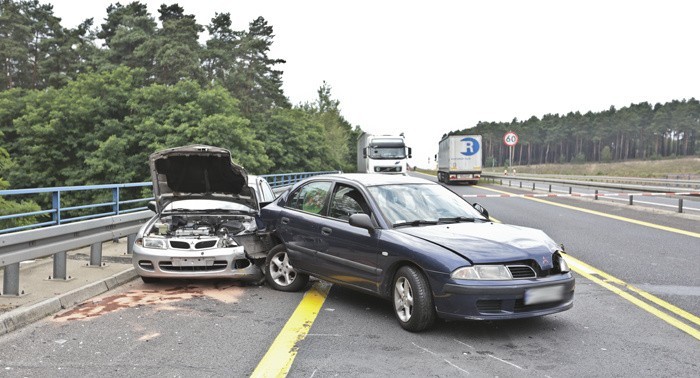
(210,329)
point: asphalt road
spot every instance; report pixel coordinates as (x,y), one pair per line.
(222,329)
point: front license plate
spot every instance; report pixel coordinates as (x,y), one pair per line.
(197,261)
(544,295)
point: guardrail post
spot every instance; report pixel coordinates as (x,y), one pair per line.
(569,190)
(680,205)
(115,199)
(533,186)
(550,188)
(509,184)
(56,206)
(501,182)
(59,266)
(130,239)
(631,199)
(96,254)
(10,280)
(596,195)
(521,184)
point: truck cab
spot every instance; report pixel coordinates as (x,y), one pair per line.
(386,154)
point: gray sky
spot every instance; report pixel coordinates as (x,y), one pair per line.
(428,67)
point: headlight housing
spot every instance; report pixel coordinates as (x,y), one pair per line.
(155,243)
(482,272)
(563,266)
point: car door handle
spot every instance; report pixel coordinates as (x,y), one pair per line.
(284,220)
(326,231)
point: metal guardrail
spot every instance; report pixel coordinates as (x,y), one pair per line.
(645,190)
(57,211)
(592,184)
(56,240)
(682,183)
(19,244)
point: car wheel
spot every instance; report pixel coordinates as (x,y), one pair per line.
(149,280)
(280,274)
(413,301)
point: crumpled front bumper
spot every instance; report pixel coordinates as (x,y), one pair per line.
(229,263)
(494,300)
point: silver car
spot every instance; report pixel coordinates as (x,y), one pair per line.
(206,218)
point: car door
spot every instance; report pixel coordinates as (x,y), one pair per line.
(349,254)
(299,226)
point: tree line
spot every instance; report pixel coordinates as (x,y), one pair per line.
(639,131)
(87,105)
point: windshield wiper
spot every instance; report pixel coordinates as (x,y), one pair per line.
(415,223)
(456,219)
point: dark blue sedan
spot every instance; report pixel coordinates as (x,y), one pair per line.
(416,243)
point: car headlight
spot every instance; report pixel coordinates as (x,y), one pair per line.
(482,272)
(563,266)
(154,243)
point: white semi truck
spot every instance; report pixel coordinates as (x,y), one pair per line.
(459,159)
(382,154)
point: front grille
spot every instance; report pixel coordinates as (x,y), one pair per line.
(216,266)
(178,244)
(205,244)
(388,169)
(522,271)
(488,306)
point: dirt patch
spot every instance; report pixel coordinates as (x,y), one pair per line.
(159,298)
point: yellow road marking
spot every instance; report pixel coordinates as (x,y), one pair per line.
(607,282)
(616,217)
(279,358)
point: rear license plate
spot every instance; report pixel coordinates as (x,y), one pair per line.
(544,295)
(197,261)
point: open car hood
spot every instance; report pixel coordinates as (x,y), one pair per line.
(199,172)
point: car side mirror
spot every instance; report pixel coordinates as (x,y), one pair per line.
(481,210)
(361,220)
(152,206)
(364,152)
(409,153)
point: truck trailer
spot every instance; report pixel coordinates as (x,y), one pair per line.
(459,159)
(382,154)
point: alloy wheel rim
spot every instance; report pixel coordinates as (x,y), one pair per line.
(281,271)
(403,299)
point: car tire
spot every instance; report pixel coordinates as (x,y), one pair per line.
(413,300)
(149,280)
(280,274)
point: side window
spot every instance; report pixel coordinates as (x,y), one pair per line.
(311,197)
(347,201)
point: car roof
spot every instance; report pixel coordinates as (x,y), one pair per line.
(369,179)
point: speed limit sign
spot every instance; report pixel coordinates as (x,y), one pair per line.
(510,138)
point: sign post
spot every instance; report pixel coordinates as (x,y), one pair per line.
(510,139)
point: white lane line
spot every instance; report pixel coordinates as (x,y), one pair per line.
(436,355)
(456,367)
(505,362)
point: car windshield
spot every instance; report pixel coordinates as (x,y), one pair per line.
(387,152)
(419,204)
(204,205)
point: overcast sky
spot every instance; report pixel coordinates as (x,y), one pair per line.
(429,67)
